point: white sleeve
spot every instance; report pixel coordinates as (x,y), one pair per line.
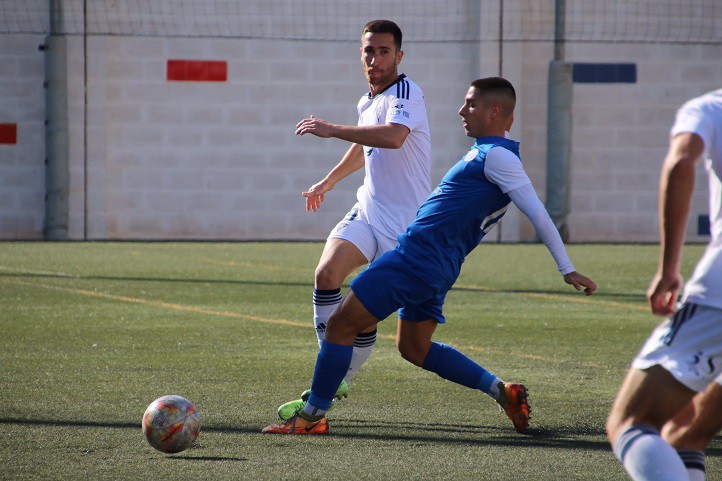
(504,169)
(528,202)
(410,113)
(691,118)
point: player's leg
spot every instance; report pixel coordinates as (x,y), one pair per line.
(677,361)
(334,357)
(417,324)
(416,327)
(332,363)
(647,400)
(366,341)
(375,293)
(694,427)
(351,244)
(339,258)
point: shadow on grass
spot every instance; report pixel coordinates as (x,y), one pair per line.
(207,458)
(475,435)
(117,425)
(419,433)
(560,292)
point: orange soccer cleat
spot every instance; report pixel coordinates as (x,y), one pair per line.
(514,402)
(298,425)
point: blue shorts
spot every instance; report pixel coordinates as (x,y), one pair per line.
(389,284)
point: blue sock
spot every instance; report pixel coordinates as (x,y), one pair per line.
(332,364)
(451,364)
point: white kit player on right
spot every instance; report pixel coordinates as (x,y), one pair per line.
(667,411)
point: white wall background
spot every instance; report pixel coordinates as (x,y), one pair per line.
(218,160)
(22,165)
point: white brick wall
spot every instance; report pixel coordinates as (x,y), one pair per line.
(621,134)
(218,160)
(22,165)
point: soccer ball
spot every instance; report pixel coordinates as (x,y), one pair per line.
(171,424)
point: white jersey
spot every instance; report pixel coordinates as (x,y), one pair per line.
(703,116)
(397,181)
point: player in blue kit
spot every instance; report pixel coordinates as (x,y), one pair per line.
(415,277)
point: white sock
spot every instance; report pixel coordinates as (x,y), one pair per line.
(495,389)
(363,346)
(694,461)
(648,457)
(324,303)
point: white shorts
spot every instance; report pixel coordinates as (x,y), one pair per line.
(688,345)
(356,229)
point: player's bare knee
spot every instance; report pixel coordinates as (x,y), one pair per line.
(613,427)
(328,277)
(340,328)
(410,352)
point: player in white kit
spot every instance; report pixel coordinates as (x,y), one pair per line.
(668,409)
(393,143)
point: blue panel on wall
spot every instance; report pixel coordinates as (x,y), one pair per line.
(703,227)
(604,73)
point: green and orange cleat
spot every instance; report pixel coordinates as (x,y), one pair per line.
(297,424)
(286,411)
(514,402)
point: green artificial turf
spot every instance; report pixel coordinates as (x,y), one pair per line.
(91,333)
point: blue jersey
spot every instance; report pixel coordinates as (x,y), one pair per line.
(455,217)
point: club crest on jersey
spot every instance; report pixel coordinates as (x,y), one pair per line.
(471,155)
(379,109)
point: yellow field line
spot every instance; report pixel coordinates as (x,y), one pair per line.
(578,299)
(207,260)
(168,305)
(391,337)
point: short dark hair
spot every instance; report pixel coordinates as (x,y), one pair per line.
(384,26)
(499,88)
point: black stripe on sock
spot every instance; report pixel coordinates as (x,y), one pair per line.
(693,459)
(365,339)
(326,297)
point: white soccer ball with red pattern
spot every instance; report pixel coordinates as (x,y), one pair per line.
(171,424)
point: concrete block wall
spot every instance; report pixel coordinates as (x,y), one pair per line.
(160,159)
(621,134)
(218,160)
(22,159)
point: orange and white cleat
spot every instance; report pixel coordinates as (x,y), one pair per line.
(516,406)
(298,425)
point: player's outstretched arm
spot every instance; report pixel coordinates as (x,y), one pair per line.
(580,282)
(386,136)
(352,161)
(528,202)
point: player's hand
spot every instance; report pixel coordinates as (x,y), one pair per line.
(580,282)
(662,293)
(312,125)
(314,195)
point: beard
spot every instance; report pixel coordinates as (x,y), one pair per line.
(380,79)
